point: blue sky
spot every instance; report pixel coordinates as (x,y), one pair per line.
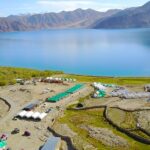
(8,7)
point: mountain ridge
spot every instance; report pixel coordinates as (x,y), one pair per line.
(78,18)
(136,17)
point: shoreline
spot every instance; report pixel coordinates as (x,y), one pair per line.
(8,76)
(75,74)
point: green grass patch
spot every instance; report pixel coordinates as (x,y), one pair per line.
(9,74)
(113,80)
(116,115)
(122,118)
(94,117)
(140,133)
(74,120)
(126,120)
(129,121)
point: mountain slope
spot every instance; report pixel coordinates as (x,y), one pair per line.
(129,18)
(72,19)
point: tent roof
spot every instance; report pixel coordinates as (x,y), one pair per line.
(2,144)
(51,143)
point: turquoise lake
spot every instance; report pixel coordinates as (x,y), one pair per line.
(80,51)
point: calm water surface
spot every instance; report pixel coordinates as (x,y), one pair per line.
(91,52)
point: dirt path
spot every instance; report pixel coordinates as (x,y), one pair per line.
(4,108)
(12,111)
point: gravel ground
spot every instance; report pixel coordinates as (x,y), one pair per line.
(18,96)
(81,144)
(4,108)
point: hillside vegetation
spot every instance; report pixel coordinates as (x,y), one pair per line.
(9,74)
(94,117)
(114,80)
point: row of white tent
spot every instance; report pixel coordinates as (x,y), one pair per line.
(61,79)
(98,86)
(32,115)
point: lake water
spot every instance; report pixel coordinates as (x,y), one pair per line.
(81,51)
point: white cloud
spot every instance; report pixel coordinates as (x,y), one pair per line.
(64,4)
(59,5)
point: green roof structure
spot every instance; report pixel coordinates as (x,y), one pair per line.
(3,144)
(58,97)
(102,93)
(75,88)
(62,95)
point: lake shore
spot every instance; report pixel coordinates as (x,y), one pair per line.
(9,74)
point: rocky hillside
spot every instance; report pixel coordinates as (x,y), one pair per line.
(78,18)
(138,17)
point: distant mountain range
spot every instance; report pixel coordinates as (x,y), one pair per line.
(129,18)
(71,19)
(138,17)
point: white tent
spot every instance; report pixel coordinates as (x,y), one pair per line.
(36,115)
(22,113)
(99,86)
(29,114)
(56,79)
(43,115)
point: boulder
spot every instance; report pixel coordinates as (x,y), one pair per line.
(147,88)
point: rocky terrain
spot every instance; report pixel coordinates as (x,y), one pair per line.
(72,19)
(137,17)
(105,136)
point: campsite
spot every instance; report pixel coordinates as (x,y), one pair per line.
(28,110)
(56,111)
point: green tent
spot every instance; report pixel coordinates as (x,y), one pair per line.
(58,97)
(102,93)
(75,88)
(3,144)
(108,85)
(62,95)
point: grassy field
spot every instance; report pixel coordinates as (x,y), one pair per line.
(9,74)
(126,120)
(95,118)
(123,119)
(117,115)
(114,80)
